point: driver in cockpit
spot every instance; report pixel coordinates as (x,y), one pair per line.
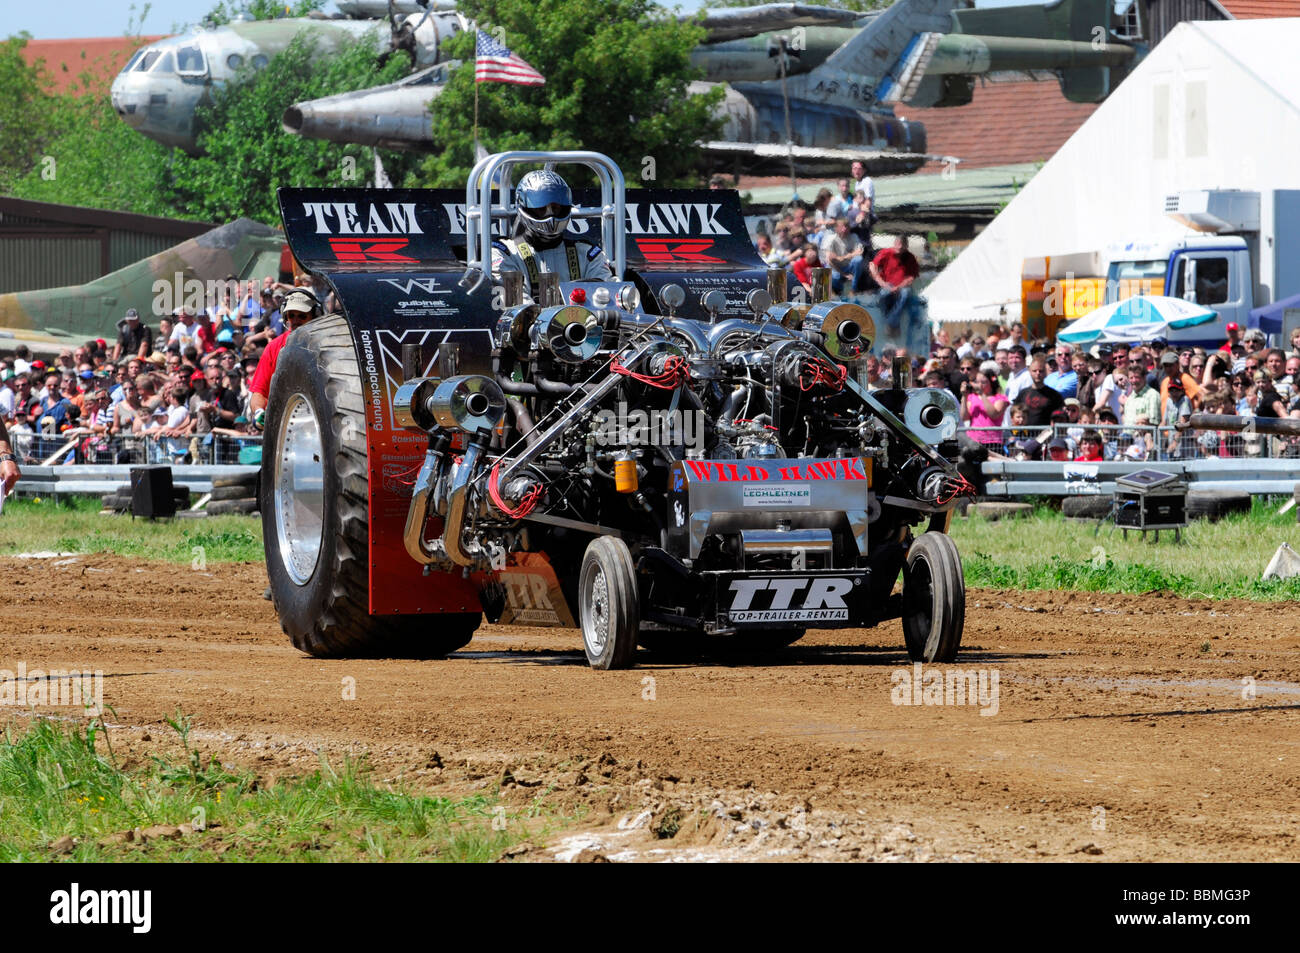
(540,243)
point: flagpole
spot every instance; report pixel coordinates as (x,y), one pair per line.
(475,118)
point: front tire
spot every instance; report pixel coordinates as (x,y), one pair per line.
(608,604)
(934,599)
(315,517)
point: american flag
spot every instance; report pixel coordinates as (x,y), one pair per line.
(494,63)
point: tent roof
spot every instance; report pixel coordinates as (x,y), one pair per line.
(1269,318)
(1227,88)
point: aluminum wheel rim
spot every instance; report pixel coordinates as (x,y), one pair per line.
(299,490)
(595,615)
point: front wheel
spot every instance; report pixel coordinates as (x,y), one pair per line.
(934,599)
(315,517)
(608,605)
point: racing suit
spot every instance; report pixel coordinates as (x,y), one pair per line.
(570,258)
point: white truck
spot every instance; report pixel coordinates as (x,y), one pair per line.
(1241,252)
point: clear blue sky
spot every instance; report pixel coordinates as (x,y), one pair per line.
(69,18)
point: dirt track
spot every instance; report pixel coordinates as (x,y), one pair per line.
(1109,714)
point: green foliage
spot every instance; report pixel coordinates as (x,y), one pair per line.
(99,162)
(27,121)
(616,76)
(224,11)
(59,780)
(246,155)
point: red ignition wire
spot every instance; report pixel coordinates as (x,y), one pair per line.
(674,374)
(526,505)
(955,487)
(815,372)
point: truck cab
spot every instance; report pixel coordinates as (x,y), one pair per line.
(1210,270)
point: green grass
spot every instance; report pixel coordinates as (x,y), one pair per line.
(74,525)
(1046,551)
(62,780)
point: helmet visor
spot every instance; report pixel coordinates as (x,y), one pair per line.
(553,210)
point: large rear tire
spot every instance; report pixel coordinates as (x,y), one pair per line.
(313,497)
(608,604)
(934,599)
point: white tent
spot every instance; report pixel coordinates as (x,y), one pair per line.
(1215,106)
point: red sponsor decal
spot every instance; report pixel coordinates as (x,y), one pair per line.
(369,249)
(677,249)
(848,468)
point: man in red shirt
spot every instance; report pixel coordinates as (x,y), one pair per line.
(299,307)
(1234,336)
(895,269)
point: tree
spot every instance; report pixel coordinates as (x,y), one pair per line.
(96,160)
(864,6)
(224,11)
(616,81)
(246,155)
(27,123)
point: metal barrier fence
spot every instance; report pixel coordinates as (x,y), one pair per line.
(1141,443)
(1009,478)
(34,449)
(98,479)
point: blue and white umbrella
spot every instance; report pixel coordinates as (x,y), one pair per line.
(1139,318)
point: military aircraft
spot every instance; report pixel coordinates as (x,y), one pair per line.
(52,318)
(159,90)
(809,85)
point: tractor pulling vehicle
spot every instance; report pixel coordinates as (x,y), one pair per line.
(651,465)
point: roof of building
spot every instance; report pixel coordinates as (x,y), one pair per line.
(1006,123)
(101,58)
(26,211)
(989,186)
(1259,9)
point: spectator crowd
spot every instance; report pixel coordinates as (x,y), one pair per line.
(1042,400)
(835,232)
(1035,400)
(156,394)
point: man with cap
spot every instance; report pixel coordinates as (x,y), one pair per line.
(1234,336)
(1171,370)
(299,307)
(8,395)
(1177,409)
(1058,450)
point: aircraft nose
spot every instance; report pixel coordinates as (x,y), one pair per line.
(128,102)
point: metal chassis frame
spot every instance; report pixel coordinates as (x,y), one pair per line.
(480,211)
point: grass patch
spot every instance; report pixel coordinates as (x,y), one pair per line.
(1220,560)
(63,795)
(74,525)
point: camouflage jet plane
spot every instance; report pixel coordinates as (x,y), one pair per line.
(49,319)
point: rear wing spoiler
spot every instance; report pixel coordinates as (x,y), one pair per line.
(410,231)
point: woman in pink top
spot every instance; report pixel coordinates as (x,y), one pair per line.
(984,407)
